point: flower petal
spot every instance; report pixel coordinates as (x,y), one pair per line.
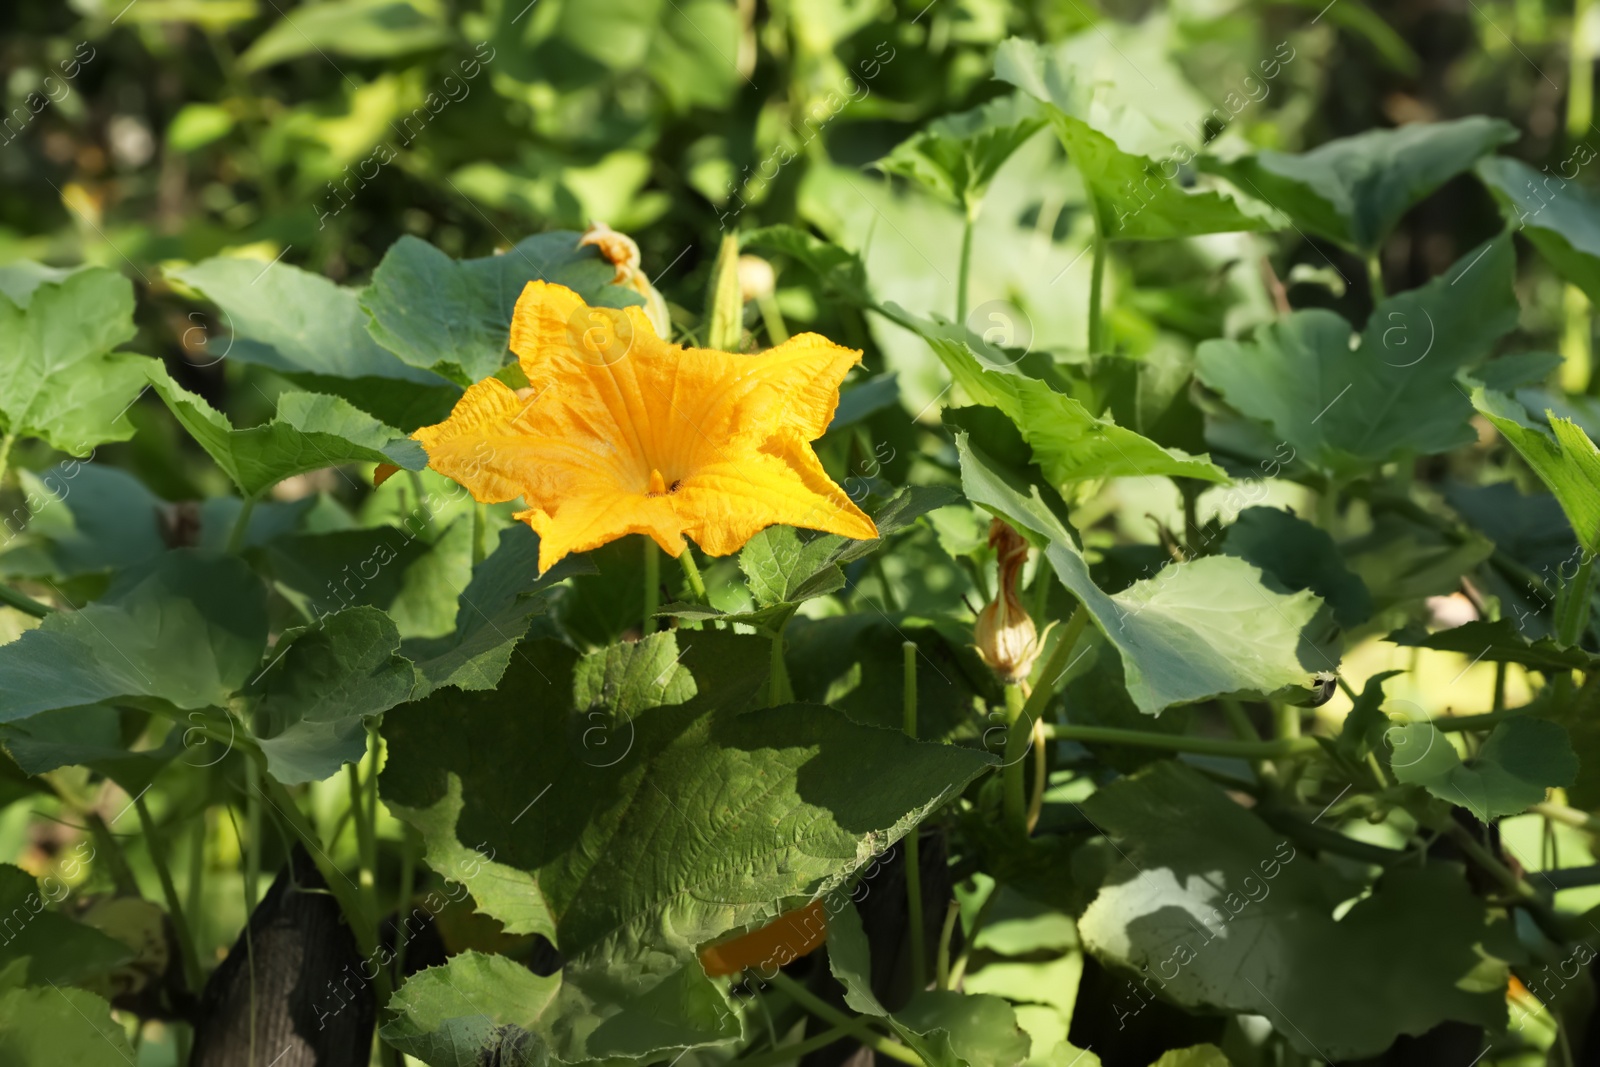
(589,521)
(729,501)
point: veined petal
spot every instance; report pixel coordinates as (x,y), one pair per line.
(730,500)
(580,523)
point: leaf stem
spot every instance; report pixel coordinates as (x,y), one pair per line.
(1572,604)
(778,689)
(1097,277)
(193,976)
(1049,677)
(241,526)
(952,912)
(914,929)
(5,456)
(965,267)
(785,1054)
(23,602)
(1204,746)
(828,1013)
(1019,730)
(691,572)
(652,585)
(480,534)
(772,318)
(1375,277)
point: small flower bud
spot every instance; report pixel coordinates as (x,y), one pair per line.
(756,279)
(1004,633)
(622,252)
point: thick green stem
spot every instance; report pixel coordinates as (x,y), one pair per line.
(952,912)
(1580,73)
(1572,605)
(652,584)
(1097,277)
(778,689)
(192,903)
(830,1014)
(772,318)
(908,716)
(241,526)
(5,456)
(691,573)
(1205,746)
(252,826)
(1014,776)
(965,266)
(408,885)
(23,602)
(783,1055)
(1375,277)
(1055,668)
(193,976)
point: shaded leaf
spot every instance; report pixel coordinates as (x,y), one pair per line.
(1354,190)
(362,29)
(956,156)
(1196,630)
(453,317)
(1564,459)
(1346,409)
(326,682)
(1498,642)
(184,631)
(55,947)
(1522,759)
(1563,223)
(1300,556)
(1222,914)
(60,1025)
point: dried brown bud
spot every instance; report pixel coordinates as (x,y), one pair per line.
(1004,633)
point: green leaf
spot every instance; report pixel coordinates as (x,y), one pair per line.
(184,631)
(1401,561)
(95,737)
(84,518)
(1364,728)
(1563,223)
(1130,162)
(1346,407)
(1500,641)
(453,317)
(326,682)
(60,1025)
(310,431)
(56,948)
(945,1028)
(1522,759)
(59,378)
(673,817)
(1194,1056)
(783,565)
(1300,556)
(840,272)
(1196,630)
(1218,913)
(361,29)
(957,156)
(1069,443)
(334,568)
(1355,189)
(1564,459)
(315,333)
(474,1008)
(492,615)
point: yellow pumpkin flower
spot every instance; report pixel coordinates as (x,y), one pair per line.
(622,432)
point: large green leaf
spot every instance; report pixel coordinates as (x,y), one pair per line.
(1346,406)
(96,737)
(1564,458)
(474,1008)
(315,332)
(1195,630)
(58,1025)
(1522,759)
(673,817)
(956,157)
(1500,641)
(1218,912)
(324,684)
(362,29)
(59,378)
(310,431)
(785,565)
(1563,223)
(453,317)
(840,272)
(1354,190)
(57,948)
(184,631)
(1130,157)
(1069,443)
(945,1028)
(492,614)
(1301,556)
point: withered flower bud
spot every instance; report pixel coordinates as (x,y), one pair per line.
(622,252)
(1004,633)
